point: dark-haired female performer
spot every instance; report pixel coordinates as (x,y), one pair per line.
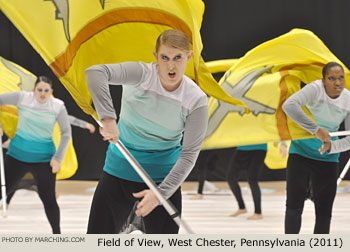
(316,158)
(32,149)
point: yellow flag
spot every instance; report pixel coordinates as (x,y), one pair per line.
(15,78)
(263,79)
(72,35)
(220,66)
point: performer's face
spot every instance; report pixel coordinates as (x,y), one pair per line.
(172,64)
(42,92)
(334,81)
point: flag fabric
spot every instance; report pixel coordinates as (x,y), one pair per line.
(220,66)
(15,78)
(71,40)
(263,79)
(274,158)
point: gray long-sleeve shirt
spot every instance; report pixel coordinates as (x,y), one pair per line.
(152,119)
(36,121)
(77,122)
(328,113)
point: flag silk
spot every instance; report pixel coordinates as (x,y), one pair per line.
(274,158)
(72,35)
(263,79)
(15,78)
(220,66)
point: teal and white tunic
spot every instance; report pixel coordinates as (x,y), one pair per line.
(152,122)
(33,140)
(328,113)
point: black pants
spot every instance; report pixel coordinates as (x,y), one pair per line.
(45,180)
(205,160)
(28,184)
(251,161)
(323,176)
(113,202)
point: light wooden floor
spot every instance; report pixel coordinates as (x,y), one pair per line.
(207,216)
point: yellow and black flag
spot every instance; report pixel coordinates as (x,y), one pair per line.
(263,79)
(72,35)
(15,78)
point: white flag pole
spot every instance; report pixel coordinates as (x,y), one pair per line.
(345,170)
(340,133)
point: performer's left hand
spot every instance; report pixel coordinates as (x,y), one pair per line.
(56,165)
(90,127)
(326,146)
(147,204)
